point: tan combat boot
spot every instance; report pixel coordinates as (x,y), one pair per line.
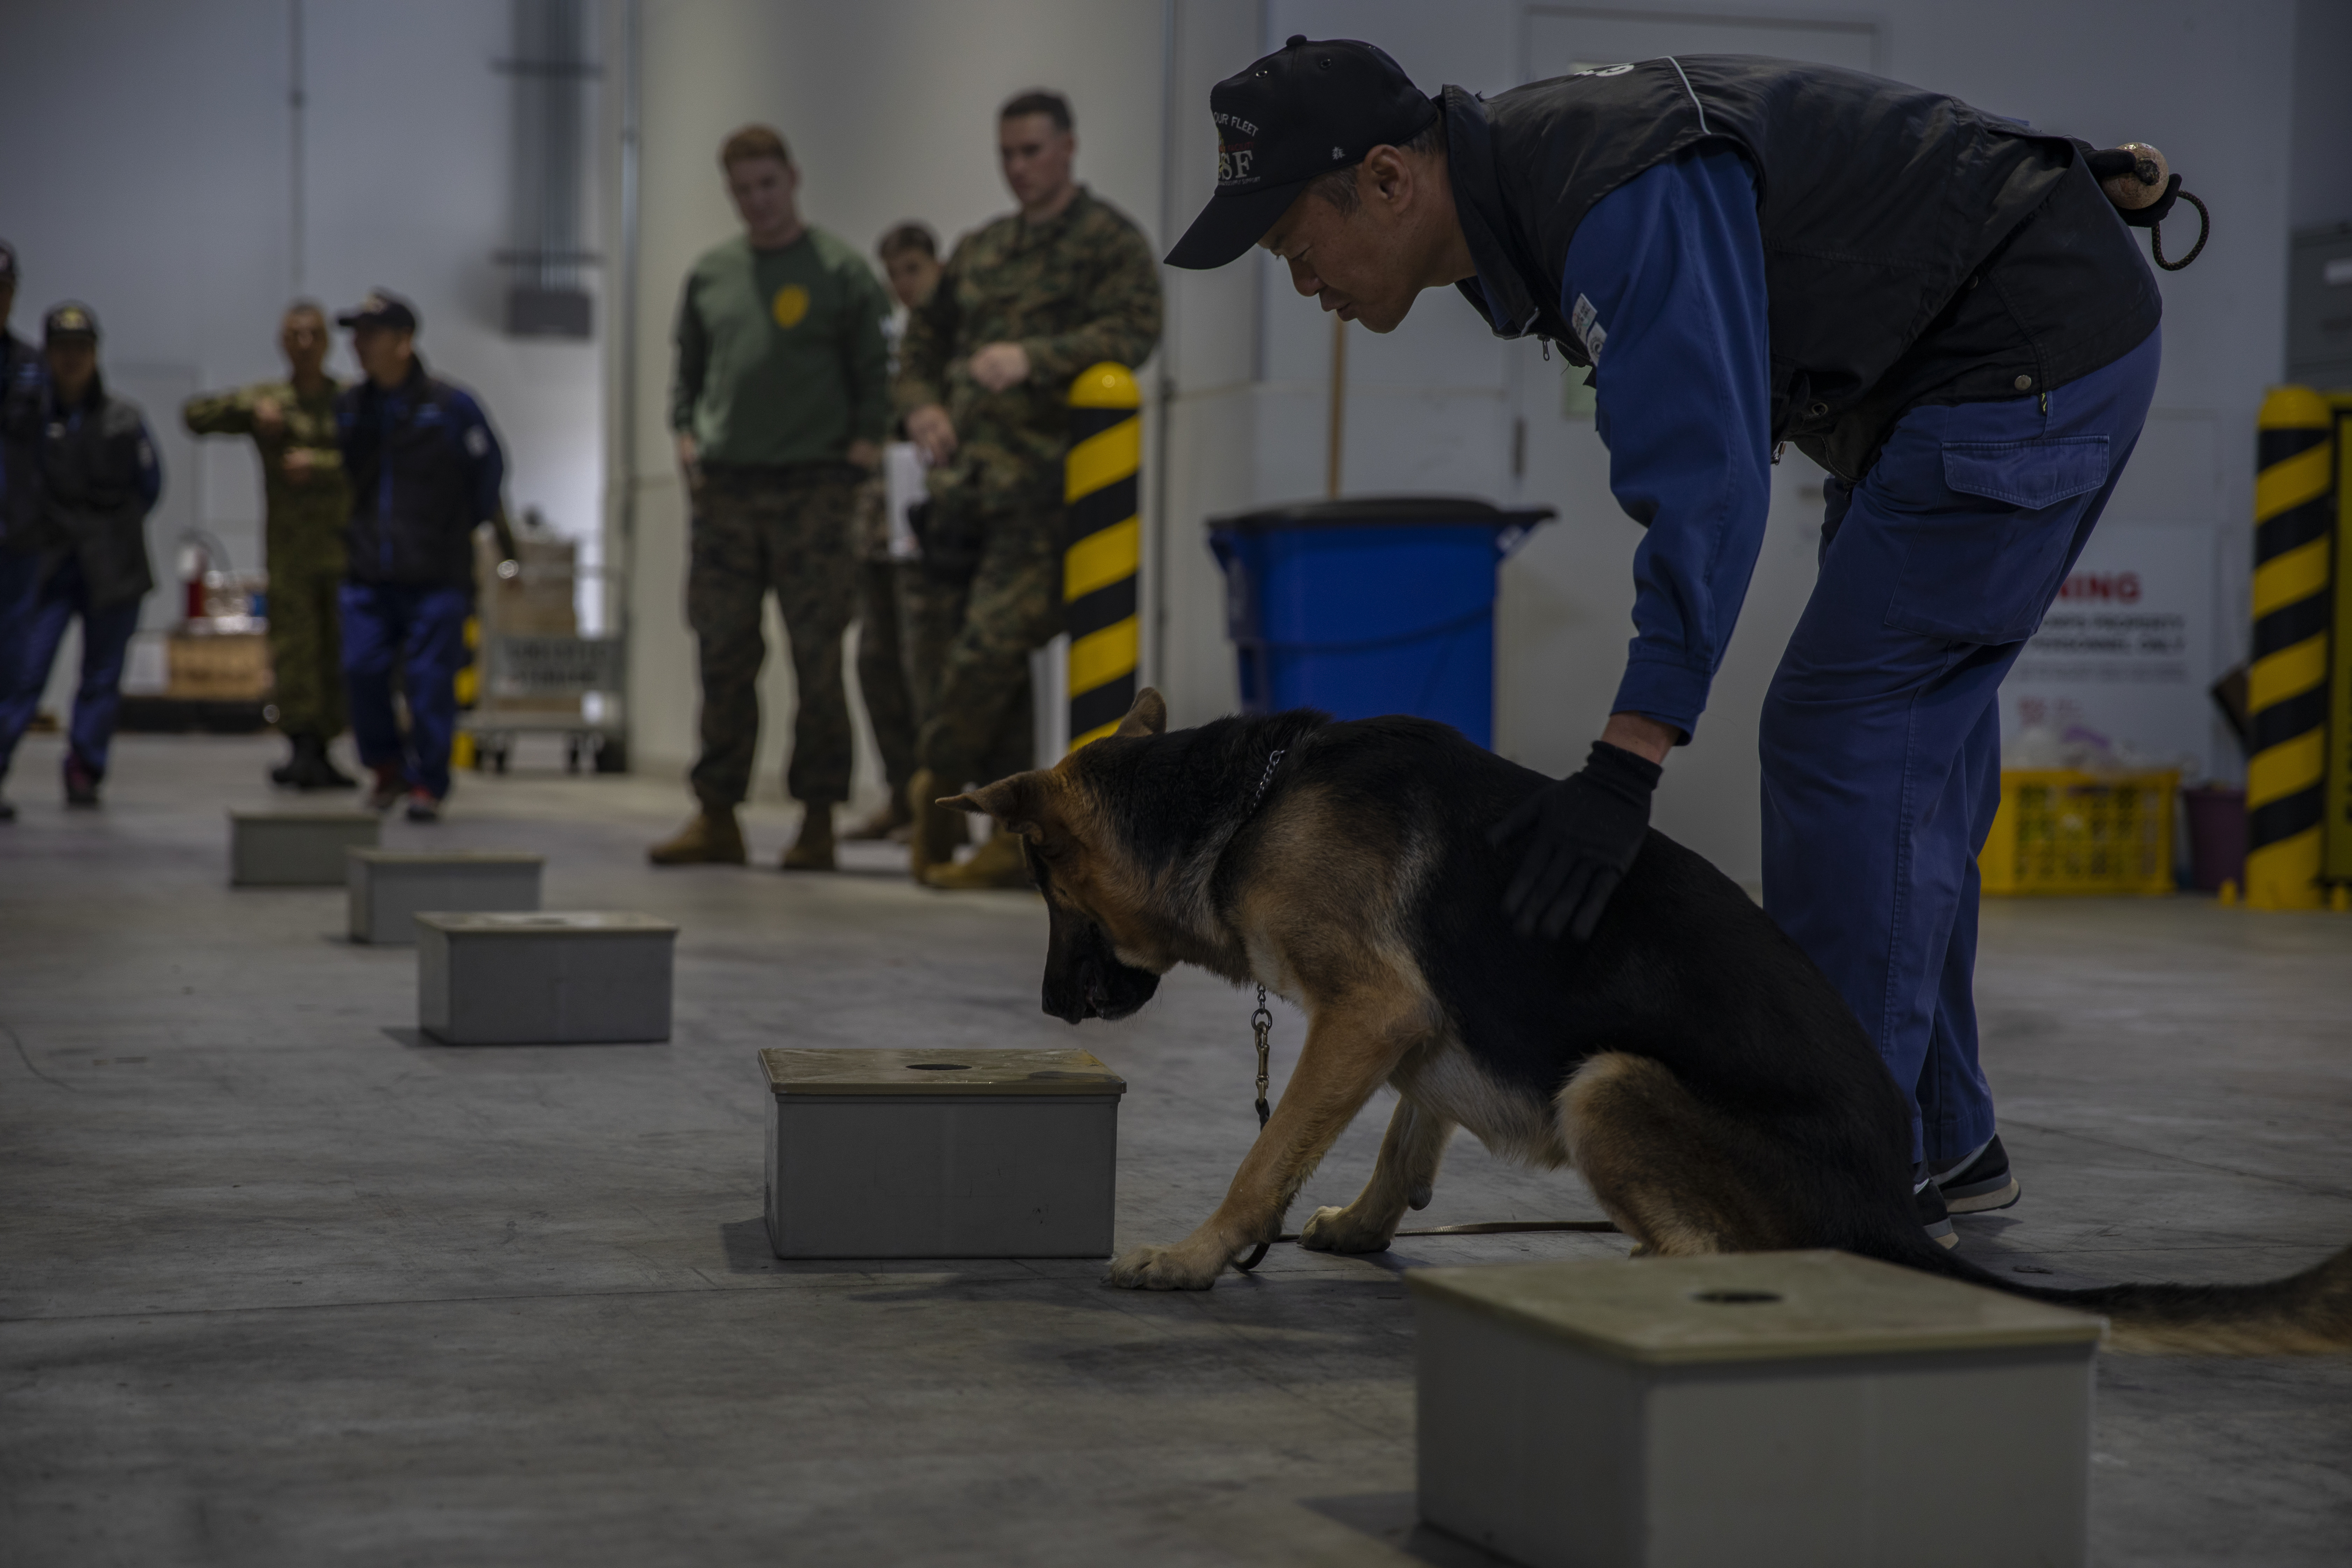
(998,863)
(713,839)
(813,850)
(938,828)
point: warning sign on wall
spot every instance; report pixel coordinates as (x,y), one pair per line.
(2124,655)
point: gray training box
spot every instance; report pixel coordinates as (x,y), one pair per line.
(948,1153)
(1812,1409)
(296,848)
(561,978)
(388,886)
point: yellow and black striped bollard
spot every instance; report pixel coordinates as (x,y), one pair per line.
(1105,549)
(2286,688)
(2335,831)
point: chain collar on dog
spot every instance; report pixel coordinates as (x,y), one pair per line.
(1261,1021)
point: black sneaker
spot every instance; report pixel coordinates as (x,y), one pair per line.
(7,810)
(1977,1182)
(81,780)
(1929,1204)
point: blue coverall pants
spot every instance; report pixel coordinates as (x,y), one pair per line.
(53,601)
(1881,732)
(422,630)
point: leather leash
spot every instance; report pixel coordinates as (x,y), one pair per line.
(1261,1026)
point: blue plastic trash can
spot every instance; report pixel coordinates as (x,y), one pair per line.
(1381,605)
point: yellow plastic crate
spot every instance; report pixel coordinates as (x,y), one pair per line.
(2060,831)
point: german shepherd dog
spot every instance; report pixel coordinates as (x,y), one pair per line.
(1706,1080)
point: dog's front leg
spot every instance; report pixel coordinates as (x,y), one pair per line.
(1400,1181)
(1351,1047)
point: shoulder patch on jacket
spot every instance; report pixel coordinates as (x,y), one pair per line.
(1585,321)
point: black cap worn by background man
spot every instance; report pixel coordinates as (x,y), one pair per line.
(381,308)
(1298,114)
(69,321)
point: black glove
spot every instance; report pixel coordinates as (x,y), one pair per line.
(1580,836)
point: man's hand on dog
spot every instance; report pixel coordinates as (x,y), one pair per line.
(1577,837)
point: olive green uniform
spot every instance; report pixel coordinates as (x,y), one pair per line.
(1072,291)
(780,367)
(305,539)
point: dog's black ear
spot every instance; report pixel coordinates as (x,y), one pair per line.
(1017,802)
(1148,717)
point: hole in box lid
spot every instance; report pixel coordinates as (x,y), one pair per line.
(1734,1297)
(939,1067)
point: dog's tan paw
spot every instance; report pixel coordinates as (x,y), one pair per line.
(1163,1268)
(1340,1231)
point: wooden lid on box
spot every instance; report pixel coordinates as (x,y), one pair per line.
(951,1071)
(446,856)
(1753,1306)
(549,922)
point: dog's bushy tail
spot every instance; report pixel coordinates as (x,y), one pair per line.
(2304,1314)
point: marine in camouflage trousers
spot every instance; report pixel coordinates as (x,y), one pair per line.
(793,530)
(977,725)
(308,510)
(306,643)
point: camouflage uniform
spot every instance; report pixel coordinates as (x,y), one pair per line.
(305,538)
(882,650)
(790,529)
(1079,290)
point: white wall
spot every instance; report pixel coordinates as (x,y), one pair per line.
(890,111)
(154,180)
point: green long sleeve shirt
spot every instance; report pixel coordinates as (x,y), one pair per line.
(780,352)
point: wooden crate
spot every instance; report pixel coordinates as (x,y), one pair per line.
(230,665)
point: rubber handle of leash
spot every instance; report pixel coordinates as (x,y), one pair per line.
(1262,1112)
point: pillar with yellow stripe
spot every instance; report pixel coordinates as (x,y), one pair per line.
(2335,832)
(2286,688)
(1105,549)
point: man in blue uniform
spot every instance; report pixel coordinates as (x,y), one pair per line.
(1937,306)
(23,387)
(424,470)
(97,479)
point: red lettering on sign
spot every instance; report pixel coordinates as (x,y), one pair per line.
(2121,587)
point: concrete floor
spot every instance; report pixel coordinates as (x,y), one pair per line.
(280,1283)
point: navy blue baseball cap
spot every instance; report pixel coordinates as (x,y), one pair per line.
(381,308)
(1300,113)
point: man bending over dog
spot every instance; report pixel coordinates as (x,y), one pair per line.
(1938,307)
(1944,311)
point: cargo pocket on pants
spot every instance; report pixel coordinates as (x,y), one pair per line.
(1986,575)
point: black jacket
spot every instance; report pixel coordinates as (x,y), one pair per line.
(1916,249)
(24,391)
(99,479)
(425,468)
